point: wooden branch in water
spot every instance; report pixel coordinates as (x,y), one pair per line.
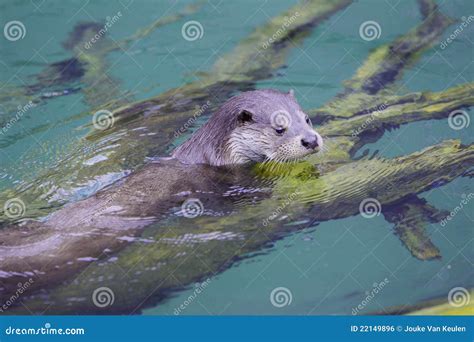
(163,115)
(89,65)
(344,137)
(185,248)
(191,250)
(411,218)
(385,65)
(401,110)
(436,306)
(101,88)
(160,22)
(254,58)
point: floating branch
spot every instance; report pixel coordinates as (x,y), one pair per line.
(178,251)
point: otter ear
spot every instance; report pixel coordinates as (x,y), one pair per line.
(291,93)
(245,116)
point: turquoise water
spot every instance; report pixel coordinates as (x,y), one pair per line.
(327,268)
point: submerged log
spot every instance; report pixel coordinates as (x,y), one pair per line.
(167,113)
(88,65)
(171,251)
(463,306)
(372,84)
(174,252)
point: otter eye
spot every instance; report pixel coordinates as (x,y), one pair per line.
(280,130)
(308,121)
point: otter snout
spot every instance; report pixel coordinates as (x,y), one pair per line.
(312,141)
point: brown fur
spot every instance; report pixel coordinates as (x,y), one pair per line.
(244,130)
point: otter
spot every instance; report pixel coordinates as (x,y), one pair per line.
(254,126)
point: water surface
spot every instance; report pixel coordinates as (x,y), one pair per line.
(329,267)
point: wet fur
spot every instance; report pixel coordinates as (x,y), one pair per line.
(226,139)
(89,227)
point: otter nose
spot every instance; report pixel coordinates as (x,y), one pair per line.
(310,142)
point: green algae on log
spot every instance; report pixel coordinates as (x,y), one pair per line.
(172,253)
(463,306)
(370,86)
(169,111)
(88,65)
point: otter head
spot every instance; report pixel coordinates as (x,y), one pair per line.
(256,126)
(271,126)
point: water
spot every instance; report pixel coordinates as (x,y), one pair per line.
(328,268)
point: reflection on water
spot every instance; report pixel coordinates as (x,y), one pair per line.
(148,236)
(158,197)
